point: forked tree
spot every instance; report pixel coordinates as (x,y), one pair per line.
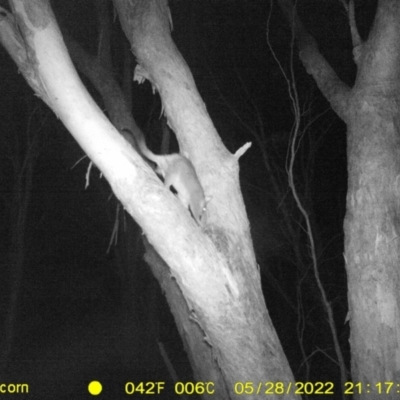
(370,109)
(209,273)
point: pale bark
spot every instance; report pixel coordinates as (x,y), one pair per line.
(215,269)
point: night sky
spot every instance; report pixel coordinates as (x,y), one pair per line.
(74,285)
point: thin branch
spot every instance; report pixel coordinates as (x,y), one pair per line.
(355,36)
(293,94)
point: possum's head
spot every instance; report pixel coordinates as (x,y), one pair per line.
(198,209)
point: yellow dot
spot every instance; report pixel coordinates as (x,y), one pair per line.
(95,388)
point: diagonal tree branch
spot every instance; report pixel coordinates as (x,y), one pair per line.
(334,90)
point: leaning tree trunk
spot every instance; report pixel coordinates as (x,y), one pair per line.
(212,276)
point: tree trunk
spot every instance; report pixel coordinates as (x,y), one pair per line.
(215,287)
(372,229)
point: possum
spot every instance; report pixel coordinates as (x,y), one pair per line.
(178,172)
